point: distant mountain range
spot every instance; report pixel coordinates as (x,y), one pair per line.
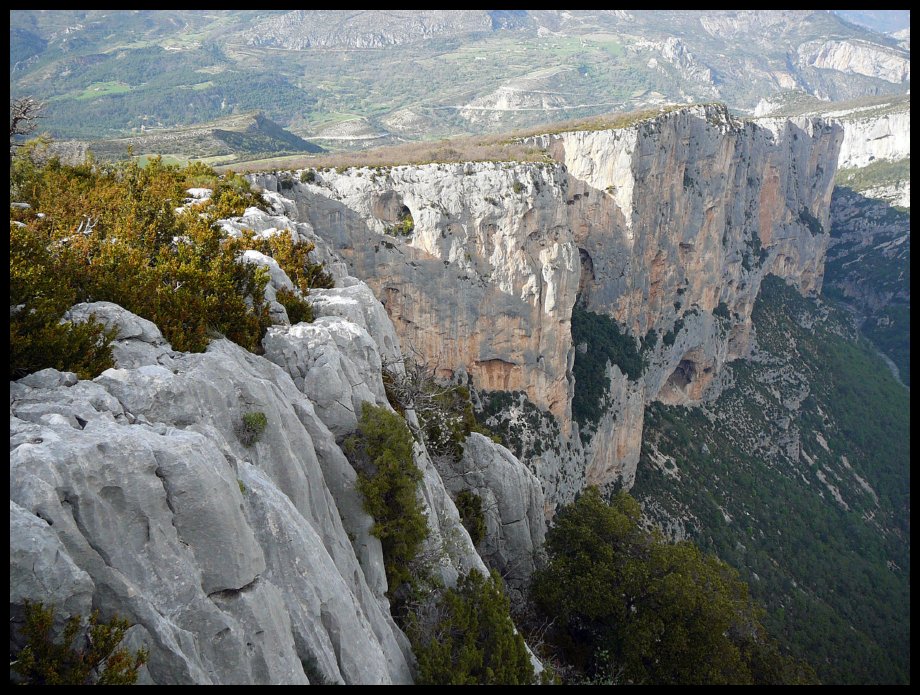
(355,78)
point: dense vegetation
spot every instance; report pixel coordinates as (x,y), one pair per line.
(799,476)
(381,450)
(461,635)
(469,506)
(468,637)
(628,607)
(88,654)
(120,233)
(598,340)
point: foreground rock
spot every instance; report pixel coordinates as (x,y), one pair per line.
(135,494)
(234,562)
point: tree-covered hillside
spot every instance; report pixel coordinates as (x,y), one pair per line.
(799,476)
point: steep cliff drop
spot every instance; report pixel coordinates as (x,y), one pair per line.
(666,225)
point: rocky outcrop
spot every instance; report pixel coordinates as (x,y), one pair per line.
(873,133)
(490,245)
(656,224)
(856,57)
(676,52)
(335,363)
(235,562)
(870,138)
(512,503)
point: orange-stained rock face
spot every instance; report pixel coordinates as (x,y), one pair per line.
(769,206)
(656,225)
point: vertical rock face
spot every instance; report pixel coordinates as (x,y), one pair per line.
(676,217)
(512,503)
(657,225)
(869,138)
(485,281)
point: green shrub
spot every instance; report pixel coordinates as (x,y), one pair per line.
(623,600)
(381,451)
(469,505)
(722,311)
(671,336)
(308,176)
(474,641)
(111,233)
(250,429)
(807,218)
(298,309)
(38,341)
(294,258)
(445,413)
(517,187)
(38,300)
(404,226)
(87,655)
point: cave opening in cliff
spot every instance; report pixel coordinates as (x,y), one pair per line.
(683,375)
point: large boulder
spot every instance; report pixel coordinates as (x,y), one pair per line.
(512,503)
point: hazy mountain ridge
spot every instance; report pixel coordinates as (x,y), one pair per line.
(470,70)
(223,141)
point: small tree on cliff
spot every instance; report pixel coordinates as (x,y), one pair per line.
(88,654)
(25,113)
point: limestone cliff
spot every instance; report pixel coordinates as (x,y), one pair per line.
(236,562)
(873,129)
(869,137)
(656,224)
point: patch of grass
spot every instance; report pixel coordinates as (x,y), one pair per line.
(251,426)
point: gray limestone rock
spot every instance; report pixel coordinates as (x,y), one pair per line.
(42,571)
(170,521)
(354,300)
(512,503)
(334,362)
(137,341)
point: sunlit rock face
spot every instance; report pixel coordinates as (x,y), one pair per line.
(656,224)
